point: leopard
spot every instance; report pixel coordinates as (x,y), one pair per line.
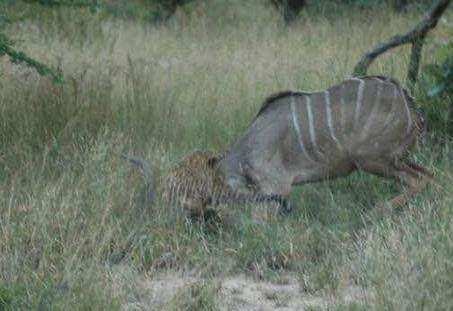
(195,183)
(197,186)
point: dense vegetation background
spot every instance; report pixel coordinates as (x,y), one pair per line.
(160,80)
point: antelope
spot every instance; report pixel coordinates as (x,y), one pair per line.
(368,124)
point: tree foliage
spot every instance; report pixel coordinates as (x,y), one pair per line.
(290,9)
(438,91)
(164,9)
(7,49)
(442,74)
(20,57)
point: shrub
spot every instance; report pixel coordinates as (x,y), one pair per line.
(164,9)
(437,87)
(290,9)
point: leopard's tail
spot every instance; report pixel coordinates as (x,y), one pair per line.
(145,170)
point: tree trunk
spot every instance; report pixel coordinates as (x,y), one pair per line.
(414,64)
(289,8)
(400,5)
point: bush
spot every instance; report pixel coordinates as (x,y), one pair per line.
(437,86)
(290,9)
(10,296)
(164,9)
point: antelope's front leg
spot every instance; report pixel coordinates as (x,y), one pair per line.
(286,207)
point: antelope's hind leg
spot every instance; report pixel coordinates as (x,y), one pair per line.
(414,176)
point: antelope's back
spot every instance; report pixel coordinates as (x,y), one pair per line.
(382,118)
(359,117)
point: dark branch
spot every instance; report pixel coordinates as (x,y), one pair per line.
(68,3)
(415,36)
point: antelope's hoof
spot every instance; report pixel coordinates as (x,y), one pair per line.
(383,207)
(286,207)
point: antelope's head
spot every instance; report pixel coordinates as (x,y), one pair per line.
(237,177)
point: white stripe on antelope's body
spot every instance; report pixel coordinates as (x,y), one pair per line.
(363,123)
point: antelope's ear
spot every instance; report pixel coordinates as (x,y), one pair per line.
(212,161)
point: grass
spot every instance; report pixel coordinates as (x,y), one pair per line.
(74,232)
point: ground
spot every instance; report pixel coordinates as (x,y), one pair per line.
(76,232)
(244,293)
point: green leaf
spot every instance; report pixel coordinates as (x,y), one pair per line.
(437,90)
(20,57)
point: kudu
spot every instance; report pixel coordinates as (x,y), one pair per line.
(366,123)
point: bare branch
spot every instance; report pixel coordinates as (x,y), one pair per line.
(415,36)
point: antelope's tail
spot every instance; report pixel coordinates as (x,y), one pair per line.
(147,174)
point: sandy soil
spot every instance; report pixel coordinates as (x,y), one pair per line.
(243,293)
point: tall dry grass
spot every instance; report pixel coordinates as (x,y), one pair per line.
(74,230)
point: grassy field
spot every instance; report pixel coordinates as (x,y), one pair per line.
(75,232)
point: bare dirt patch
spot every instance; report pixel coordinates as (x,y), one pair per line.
(243,293)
